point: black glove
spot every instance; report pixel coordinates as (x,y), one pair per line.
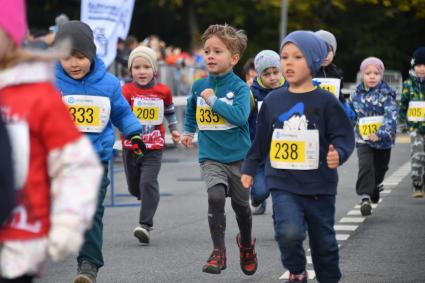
(141,147)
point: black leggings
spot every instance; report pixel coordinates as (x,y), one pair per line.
(217,217)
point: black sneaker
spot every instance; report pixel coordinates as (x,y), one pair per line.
(86,272)
(374,198)
(365,207)
(418,192)
(301,278)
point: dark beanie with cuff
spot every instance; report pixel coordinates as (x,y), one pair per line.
(81,37)
(418,57)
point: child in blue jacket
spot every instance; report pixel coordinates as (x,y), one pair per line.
(94,99)
(269,77)
(303,135)
(219,107)
(375,108)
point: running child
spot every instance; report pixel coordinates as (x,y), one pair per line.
(55,167)
(412,116)
(94,99)
(150,101)
(219,107)
(267,66)
(302,135)
(375,108)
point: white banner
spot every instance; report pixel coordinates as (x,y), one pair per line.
(109,20)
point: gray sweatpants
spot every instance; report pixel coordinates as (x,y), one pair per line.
(142,180)
(417,154)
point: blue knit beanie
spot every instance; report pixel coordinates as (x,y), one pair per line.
(266,59)
(313,48)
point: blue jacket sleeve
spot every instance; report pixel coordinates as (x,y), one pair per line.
(190,125)
(121,115)
(237,113)
(340,132)
(388,129)
(260,147)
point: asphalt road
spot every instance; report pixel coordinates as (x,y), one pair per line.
(385,247)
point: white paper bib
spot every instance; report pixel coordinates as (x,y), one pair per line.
(89,113)
(295,149)
(369,125)
(208,120)
(149,111)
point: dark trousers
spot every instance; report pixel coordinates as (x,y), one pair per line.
(22,279)
(93,238)
(293,215)
(373,164)
(142,179)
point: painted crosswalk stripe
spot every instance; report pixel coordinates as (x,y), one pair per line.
(352,219)
(345,227)
(342,237)
(354,212)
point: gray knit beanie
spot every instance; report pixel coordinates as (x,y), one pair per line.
(81,37)
(266,59)
(328,37)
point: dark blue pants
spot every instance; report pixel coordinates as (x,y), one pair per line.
(259,190)
(294,215)
(93,238)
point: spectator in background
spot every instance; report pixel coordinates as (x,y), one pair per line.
(249,72)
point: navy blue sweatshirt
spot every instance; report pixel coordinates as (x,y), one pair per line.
(7,190)
(324,113)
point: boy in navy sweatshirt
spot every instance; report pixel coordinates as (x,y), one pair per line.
(304,135)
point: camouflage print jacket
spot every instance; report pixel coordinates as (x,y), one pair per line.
(413,90)
(377,101)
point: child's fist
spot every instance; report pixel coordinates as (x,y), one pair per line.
(246,181)
(175,135)
(373,138)
(187,141)
(206,93)
(333,157)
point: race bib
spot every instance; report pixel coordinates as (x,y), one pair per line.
(20,140)
(416,111)
(89,113)
(149,111)
(369,125)
(208,120)
(296,150)
(330,84)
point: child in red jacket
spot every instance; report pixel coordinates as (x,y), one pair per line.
(151,102)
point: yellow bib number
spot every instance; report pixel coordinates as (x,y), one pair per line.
(415,112)
(205,116)
(368,129)
(146,113)
(287,151)
(85,115)
(330,88)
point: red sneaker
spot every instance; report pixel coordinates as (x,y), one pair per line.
(248,257)
(216,262)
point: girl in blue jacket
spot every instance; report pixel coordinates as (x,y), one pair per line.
(94,100)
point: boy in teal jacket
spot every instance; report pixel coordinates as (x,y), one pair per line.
(219,108)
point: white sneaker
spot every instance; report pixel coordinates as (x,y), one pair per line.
(142,234)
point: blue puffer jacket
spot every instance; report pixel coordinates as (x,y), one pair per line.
(377,101)
(98,82)
(259,92)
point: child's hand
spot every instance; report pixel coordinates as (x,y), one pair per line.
(373,137)
(208,92)
(246,181)
(187,141)
(333,157)
(175,135)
